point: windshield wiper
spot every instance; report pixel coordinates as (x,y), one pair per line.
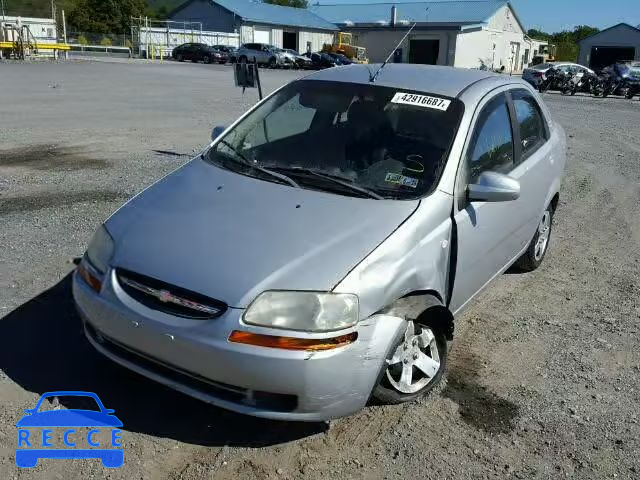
(242,160)
(345,182)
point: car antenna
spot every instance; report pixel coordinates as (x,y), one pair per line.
(374,76)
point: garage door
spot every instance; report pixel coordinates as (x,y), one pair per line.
(262,35)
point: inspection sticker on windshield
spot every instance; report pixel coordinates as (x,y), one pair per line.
(401,180)
(421,101)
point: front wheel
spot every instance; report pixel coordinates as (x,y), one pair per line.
(272,63)
(416,365)
(533,257)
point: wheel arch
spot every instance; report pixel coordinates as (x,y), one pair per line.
(425,306)
(554,202)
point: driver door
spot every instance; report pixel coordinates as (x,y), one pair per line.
(488,233)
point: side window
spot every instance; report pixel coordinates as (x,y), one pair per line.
(530,122)
(289,119)
(492,143)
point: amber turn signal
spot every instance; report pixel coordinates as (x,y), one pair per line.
(292,343)
(91,280)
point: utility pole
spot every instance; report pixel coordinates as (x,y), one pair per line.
(64,28)
(2,4)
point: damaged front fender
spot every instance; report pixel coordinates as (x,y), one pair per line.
(415,258)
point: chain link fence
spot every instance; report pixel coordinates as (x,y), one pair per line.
(101,39)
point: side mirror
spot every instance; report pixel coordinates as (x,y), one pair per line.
(494,187)
(217,131)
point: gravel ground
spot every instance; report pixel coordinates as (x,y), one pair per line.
(544,370)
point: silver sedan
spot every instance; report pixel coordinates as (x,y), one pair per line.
(317,253)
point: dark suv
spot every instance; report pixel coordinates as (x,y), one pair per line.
(199,52)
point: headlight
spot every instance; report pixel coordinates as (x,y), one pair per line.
(305,311)
(100,250)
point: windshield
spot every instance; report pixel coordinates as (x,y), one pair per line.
(391,142)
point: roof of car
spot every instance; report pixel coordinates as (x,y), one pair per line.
(446,81)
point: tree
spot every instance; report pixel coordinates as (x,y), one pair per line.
(566,41)
(583,31)
(289,3)
(538,34)
(100,16)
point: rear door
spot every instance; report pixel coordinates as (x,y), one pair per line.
(534,162)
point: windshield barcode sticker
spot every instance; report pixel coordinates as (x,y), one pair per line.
(421,101)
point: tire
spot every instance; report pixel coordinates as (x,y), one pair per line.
(206,59)
(180,58)
(533,257)
(273,63)
(421,344)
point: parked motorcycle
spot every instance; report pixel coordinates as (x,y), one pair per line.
(554,79)
(587,82)
(618,79)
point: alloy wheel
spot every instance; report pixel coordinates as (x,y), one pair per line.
(544,229)
(416,361)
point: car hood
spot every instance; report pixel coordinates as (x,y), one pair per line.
(230,237)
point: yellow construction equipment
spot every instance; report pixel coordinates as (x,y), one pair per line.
(343,43)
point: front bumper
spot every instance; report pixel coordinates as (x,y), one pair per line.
(196,358)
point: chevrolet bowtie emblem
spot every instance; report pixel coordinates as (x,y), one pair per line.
(165,296)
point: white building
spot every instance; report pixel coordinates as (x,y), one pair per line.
(456,33)
(42,30)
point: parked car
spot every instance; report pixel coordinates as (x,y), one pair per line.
(229,50)
(320,60)
(340,59)
(199,52)
(534,75)
(300,60)
(283,275)
(264,55)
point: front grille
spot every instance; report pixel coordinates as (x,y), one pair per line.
(275,402)
(167,298)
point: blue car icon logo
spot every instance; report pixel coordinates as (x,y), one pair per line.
(33,445)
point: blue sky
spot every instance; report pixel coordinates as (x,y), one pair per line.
(555,15)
